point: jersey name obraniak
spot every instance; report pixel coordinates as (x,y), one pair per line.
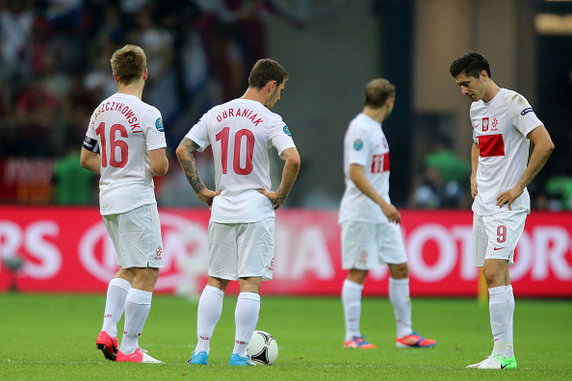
(126,128)
(240,133)
(500,127)
(365,144)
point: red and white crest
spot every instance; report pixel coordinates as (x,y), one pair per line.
(485,124)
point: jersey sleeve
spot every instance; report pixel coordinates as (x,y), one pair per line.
(280,136)
(154,130)
(90,130)
(473,126)
(90,142)
(523,117)
(199,133)
(357,146)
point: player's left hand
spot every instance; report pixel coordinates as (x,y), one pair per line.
(507,197)
(273,197)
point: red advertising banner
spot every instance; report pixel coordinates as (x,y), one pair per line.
(68,250)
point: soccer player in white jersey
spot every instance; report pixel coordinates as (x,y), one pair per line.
(503,126)
(241,228)
(370,223)
(125,144)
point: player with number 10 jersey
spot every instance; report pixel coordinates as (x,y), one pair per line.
(241,229)
(240,133)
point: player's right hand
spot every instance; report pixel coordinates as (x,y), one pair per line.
(206,195)
(274,197)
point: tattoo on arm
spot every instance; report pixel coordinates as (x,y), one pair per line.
(189,165)
(282,194)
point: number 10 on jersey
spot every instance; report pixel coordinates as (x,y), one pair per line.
(238,155)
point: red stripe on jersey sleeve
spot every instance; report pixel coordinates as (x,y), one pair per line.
(491,145)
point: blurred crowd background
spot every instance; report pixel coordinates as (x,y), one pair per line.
(54,70)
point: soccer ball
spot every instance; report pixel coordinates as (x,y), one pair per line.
(262,349)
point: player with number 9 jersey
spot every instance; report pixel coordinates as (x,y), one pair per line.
(125,128)
(502,166)
(240,132)
(500,128)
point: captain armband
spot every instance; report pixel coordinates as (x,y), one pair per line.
(90,144)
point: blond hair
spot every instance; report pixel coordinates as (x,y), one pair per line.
(378,91)
(128,63)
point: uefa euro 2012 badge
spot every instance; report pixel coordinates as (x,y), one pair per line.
(286,130)
(358,144)
(159,125)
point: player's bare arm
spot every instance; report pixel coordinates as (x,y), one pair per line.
(475,152)
(90,161)
(289,174)
(543,147)
(357,175)
(159,162)
(187,161)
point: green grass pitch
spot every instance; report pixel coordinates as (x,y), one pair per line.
(51,337)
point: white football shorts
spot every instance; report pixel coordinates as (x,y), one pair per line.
(496,236)
(366,245)
(136,236)
(241,250)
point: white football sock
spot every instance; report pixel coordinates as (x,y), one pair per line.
(246,317)
(505,349)
(208,314)
(501,309)
(351,300)
(137,308)
(510,317)
(114,304)
(399,297)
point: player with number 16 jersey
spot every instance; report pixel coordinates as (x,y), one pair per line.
(125,128)
(125,144)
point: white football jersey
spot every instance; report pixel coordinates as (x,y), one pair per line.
(500,127)
(240,133)
(126,128)
(365,144)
